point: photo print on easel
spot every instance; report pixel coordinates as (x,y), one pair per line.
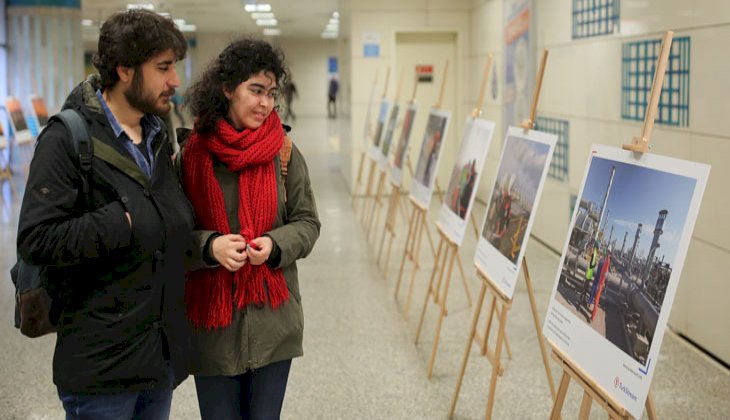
(18,123)
(40,110)
(620,267)
(388,137)
(512,205)
(465,176)
(427,166)
(375,151)
(396,172)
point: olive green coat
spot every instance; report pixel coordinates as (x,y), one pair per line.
(259,336)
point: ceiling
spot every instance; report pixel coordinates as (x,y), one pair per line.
(296,18)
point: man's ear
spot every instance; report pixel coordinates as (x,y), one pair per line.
(125,73)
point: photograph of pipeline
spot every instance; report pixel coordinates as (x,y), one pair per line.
(615,270)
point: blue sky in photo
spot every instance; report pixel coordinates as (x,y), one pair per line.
(637,195)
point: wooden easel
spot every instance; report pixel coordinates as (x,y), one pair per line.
(417,225)
(380,190)
(373,164)
(451,253)
(394,202)
(368,133)
(500,304)
(592,390)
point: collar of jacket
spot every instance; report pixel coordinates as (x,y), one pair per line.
(84,100)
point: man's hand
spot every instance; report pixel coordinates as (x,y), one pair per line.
(229,251)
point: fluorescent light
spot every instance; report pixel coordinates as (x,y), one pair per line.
(257,7)
(266,22)
(272,31)
(329,35)
(86,22)
(258,15)
(188,28)
(146,6)
(336,15)
(179,22)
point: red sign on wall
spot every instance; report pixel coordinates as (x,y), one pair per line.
(424,73)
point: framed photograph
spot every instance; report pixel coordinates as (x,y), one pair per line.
(40,111)
(620,266)
(512,205)
(18,122)
(388,137)
(375,150)
(428,158)
(396,171)
(465,175)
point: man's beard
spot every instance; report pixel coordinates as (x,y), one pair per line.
(145,101)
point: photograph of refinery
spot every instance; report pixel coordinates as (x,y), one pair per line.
(622,249)
(430,149)
(518,180)
(389,129)
(405,134)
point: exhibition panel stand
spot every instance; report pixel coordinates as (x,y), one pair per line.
(501,303)
(592,391)
(448,251)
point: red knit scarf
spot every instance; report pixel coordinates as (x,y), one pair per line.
(210,293)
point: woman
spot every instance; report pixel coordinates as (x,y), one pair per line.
(245,312)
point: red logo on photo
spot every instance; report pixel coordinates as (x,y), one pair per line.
(616,382)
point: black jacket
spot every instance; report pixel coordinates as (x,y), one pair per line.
(119,289)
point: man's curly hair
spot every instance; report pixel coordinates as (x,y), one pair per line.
(240,60)
(132,37)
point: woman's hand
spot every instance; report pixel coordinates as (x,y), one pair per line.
(230,251)
(260,255)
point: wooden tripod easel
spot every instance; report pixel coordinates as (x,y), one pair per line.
(592,390)
(500,305)
(417,225)
(368,133)
(394,204)
(451,250)
(384,169)
(373,166)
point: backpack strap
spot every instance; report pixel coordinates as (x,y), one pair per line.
(81,142)
(284,157)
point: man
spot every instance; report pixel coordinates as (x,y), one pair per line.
(115,255)
(290,91)
(332,98)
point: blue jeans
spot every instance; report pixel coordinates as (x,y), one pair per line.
(151,404)
(255,395)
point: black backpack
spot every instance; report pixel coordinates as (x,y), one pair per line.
(33,303)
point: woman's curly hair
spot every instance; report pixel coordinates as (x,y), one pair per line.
(240,60)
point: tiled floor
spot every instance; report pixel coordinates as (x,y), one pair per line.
(360,359)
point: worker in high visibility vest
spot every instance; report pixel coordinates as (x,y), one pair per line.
(590,271)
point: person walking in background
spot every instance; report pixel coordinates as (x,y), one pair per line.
(246,313)
(334,86)
(115,259)
(290,91)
